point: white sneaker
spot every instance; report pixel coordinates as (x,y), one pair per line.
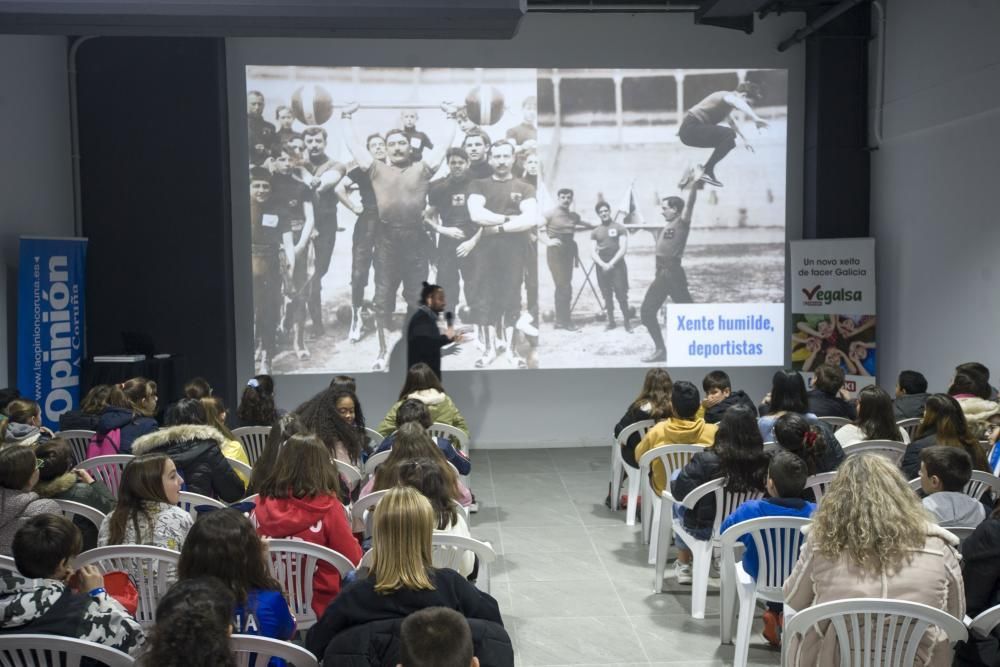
(525,326)
(354,335)
(682,572)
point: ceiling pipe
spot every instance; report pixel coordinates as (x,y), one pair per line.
(608,8)
(812,27)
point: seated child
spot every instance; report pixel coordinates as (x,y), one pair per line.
(786,480)
(719,397)
(413,410)
(944,472)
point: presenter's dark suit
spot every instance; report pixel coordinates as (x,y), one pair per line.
(424,340)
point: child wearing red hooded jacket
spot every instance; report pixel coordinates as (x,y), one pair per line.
(299,500)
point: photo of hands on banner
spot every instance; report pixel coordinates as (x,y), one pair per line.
(562,211)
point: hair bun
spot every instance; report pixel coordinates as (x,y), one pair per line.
(252,382)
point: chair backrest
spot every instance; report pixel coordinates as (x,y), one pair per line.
(909,425)
(45,650)
(449,549)
(835,422)
(375,460)
(7,564)
(457,436)
(986,621)
(363,505)
(778,540)
(890,449)
(71,508)
(725,501)
(673,457)
(640,427)
(366,560)
(254,439)
(818,484)
(293,563)
(151,568)
(189,501)
(348,472)
(78,441)
(374,436)
(874,632)
(771,446)
(240,467)
(255,499)
(251,649)
(107,469)
(981,483)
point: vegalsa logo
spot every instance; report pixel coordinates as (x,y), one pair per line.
(817,296)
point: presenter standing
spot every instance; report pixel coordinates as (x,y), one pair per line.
(424,339)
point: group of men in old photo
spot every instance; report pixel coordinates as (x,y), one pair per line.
(480,225)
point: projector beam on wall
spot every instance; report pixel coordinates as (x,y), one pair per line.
(425,19)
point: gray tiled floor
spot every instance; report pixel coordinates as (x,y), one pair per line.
(571,577)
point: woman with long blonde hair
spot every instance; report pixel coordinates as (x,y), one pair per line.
(872,538)
(402,579)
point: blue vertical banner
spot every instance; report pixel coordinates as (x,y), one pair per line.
(50,323)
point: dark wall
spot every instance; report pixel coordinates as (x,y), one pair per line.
(837,158)
(154,177)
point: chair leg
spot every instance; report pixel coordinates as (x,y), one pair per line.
(654,530)
(633,497)
(727,592)
(664,536)
(743,626)
(647,495)
(616,478)
(702,552)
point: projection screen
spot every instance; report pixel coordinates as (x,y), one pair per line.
(576,218)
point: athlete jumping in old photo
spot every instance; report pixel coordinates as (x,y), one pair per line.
(701,125)
(670,280)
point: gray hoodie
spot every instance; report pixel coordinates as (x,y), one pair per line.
(22,434)
(47,606)
(953,509)
(16,507)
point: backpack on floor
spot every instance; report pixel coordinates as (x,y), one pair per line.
(105,444)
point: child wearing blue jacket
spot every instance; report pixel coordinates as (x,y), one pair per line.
(786,480)
(224,544)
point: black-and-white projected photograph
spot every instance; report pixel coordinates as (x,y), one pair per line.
(559,210)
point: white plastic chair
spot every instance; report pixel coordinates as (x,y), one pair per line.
(619,467)
(909,425)
(890,449)
(448,551)
(835,422)
(255,499)
(871,632)
(348,472)
(254,439)
(374,461)
(701,550)
(78,441)
(457,436)
(71,508)
(45,650)
(771,447)
(362,505)
(151,568)
(241,468)
(983,624)
(293,563)
(189,501)
(259,651)
(7,564)
(672,457)
(778,540)
(818,484)
(107,469)
(375,437)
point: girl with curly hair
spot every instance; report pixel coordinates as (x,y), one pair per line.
(872,538)
(193,625)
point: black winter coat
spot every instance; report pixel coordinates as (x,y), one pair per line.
(713,415)
(703,467)
(823,404)
(981,574)
(195,450)
(358,605)
(376,644)
(909,406)
(78,420)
